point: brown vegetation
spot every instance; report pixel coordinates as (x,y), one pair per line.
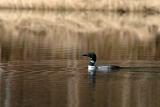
(150,6)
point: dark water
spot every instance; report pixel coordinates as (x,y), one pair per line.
(41,63)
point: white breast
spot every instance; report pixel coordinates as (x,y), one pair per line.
(91,68)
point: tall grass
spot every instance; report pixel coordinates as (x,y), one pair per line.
(112,5)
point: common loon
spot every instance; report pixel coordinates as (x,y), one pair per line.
(92,68)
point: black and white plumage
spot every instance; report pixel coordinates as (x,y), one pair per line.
(92,68)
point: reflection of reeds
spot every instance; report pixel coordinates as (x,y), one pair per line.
(56,36)
(113,5)
(119,37)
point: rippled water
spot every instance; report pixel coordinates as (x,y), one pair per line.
(41,63)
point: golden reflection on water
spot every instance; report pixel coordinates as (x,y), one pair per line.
(41,63)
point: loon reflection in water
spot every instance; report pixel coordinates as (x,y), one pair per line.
(92,68)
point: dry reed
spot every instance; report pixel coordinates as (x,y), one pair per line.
(111,5)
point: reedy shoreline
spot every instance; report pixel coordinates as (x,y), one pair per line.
(121,6)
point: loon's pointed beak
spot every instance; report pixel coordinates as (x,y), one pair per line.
(84,54)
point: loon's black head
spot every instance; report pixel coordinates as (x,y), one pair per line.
(92,57)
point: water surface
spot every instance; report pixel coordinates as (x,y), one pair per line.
(41,63)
